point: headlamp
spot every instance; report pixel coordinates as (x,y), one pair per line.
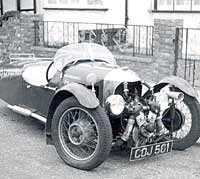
(115,104)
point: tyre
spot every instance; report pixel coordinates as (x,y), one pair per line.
(82,136)
(187,116)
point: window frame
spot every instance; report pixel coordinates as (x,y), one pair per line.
(26,9)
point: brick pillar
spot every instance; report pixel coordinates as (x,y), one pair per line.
(164,46)
(27,31)
(17,35)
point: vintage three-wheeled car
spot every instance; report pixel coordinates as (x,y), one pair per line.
(89,105)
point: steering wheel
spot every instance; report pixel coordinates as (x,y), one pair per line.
(47,72)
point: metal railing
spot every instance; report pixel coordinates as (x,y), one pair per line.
(134,40)
(189,69)
(188,55)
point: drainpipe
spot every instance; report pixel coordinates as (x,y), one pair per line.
(126,13)
(18,5)
(1,1)
(34,6)
(155,5)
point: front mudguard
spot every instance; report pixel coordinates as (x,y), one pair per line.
(85,97)
(177,82)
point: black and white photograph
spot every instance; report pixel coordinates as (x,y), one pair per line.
(100,89)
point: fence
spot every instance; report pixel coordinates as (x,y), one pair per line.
(134,40)
(188,55)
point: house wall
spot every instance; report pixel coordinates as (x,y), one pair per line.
(140,12)
(190,20)
(39,6)
(115,13)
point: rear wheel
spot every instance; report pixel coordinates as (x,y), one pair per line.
(82,137)
(186,130)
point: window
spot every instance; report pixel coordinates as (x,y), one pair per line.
(24,5)
(177,5)
(196,2)
(74,4)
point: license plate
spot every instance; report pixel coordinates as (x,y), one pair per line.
(138,153)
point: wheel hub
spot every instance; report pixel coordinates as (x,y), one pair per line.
(79,132)
(175,124)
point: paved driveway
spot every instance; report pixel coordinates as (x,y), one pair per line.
(25,155)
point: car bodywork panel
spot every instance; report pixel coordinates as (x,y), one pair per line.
(85,96)
(35,74)
(111,75)
(79,73)
(178,82)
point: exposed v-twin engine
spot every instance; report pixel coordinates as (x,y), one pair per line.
(145,118)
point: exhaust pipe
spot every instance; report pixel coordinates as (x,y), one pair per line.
(26,112)
(175,95)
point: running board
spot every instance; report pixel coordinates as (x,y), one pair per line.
(26,112)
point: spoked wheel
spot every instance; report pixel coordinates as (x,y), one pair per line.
(82,136)
(78,133)
(186,125)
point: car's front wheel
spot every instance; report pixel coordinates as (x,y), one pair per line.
(82,136)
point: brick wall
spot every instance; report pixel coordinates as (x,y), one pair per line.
(17,36)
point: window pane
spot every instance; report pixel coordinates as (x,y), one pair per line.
(165,2)
(63,1)
(179,5)
(9,5)
(165,5)
(51,1)
(196,2)
(161,2)
(75,1)
(95,2)
(169,2)
(26,4)
(196,5)
(182,5)
(179,2)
